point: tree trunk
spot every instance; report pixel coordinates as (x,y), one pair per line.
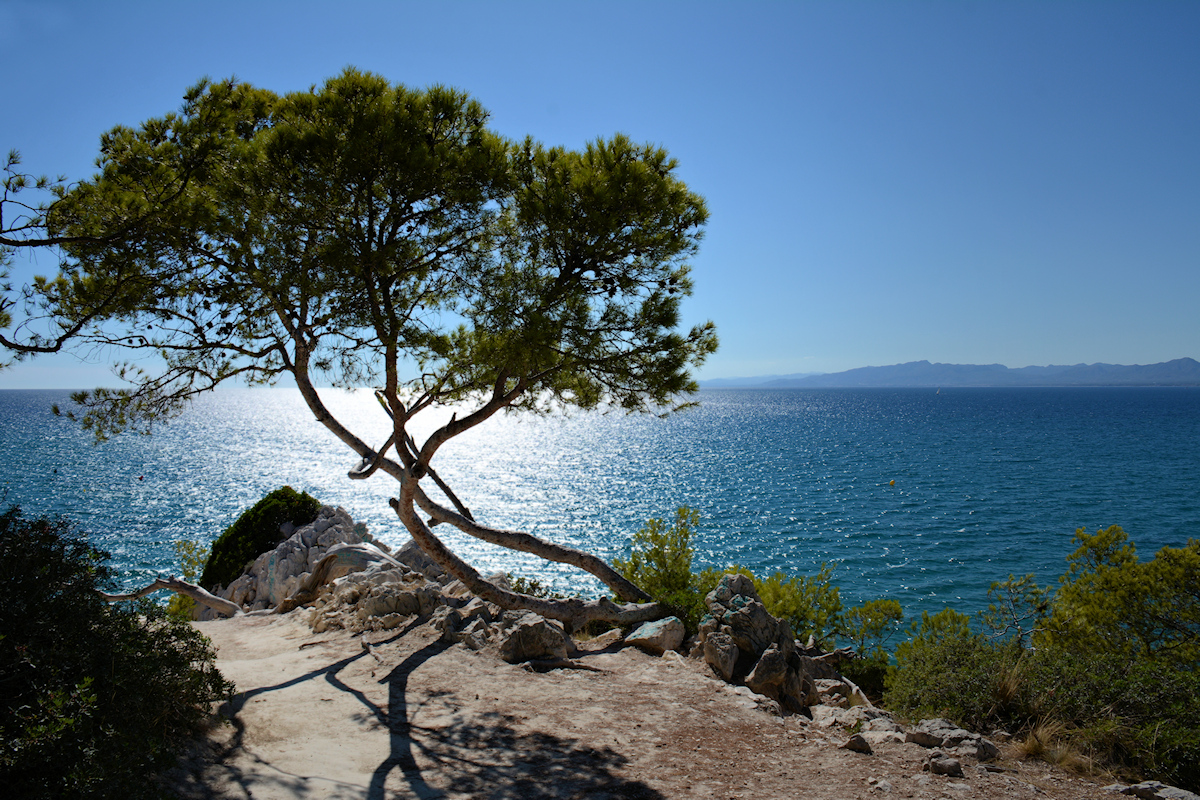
(573,612)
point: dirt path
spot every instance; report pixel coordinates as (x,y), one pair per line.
(318,716)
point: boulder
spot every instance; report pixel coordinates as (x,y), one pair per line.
(769,674)
(475,634)
(532,638)
(858,744)
(412,556)
(658,636)
(721,654)
(945,734)
(938,763)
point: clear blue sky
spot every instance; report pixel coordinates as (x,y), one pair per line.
(965,182)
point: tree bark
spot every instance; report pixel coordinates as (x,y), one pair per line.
(573,612)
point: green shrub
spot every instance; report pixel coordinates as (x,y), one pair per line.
(661,564)
(256,531)
(1018,609)
(1106,667)
(946,670)
(1109,600)
(868,628)
(1138,716)
(96,697)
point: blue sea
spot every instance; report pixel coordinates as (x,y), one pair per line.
(987,482)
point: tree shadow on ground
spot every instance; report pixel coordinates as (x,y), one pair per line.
(483,755)
(437,751)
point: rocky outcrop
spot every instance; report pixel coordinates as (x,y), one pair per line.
(943,734)
(374,591)
(743,643)
(382,597)
(1152,790)
(277,574)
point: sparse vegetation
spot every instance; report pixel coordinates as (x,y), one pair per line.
(1100,673)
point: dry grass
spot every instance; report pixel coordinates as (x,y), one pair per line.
(1050,741)
(1007,690)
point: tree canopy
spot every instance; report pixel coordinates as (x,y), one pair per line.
(361,232)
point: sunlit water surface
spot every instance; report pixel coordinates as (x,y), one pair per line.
(987,481)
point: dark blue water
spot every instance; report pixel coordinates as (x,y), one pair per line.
(987,481)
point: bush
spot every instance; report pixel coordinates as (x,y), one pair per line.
(946,670)
(868,628)
(661,564)
(96,696)
(1111,673)
(1109,600)
(256,531)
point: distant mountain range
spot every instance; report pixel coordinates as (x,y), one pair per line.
(1180,372)
(761,380)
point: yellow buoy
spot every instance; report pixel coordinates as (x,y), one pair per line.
(893,483)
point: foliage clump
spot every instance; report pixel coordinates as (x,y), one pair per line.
(661,563)
(867,628)
(1105,668)
(256,531)
(96,697)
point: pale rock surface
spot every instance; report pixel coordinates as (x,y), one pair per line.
(658,636)
(945,734)
(1153,790)
(533,638)
(277,574)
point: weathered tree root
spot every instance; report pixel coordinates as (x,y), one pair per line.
(180,586)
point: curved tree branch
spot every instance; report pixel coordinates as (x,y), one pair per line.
(528,543)
(574,612)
